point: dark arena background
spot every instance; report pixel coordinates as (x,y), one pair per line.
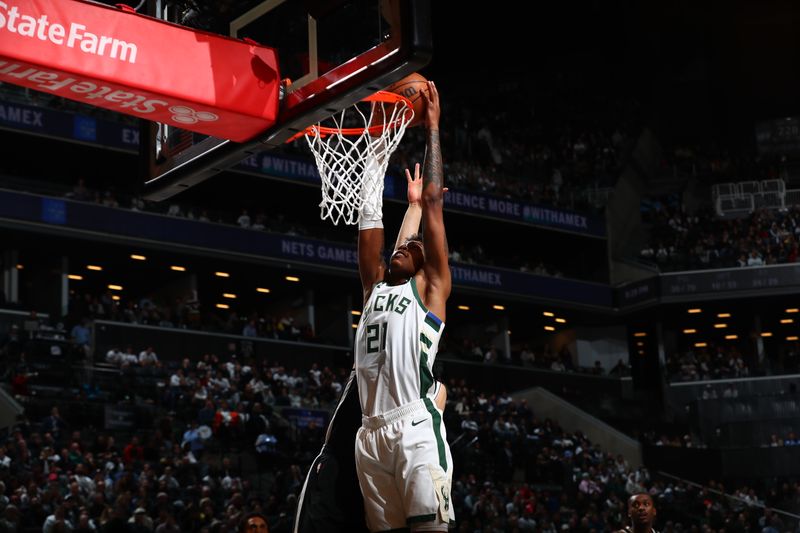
(623,218)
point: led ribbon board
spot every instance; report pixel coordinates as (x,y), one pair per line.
(140,66)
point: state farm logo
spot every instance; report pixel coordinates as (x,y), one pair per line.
(33,24)
(187,115)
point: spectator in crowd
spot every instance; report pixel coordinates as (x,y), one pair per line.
(527,357)
(133,451)
(244,219)
(148,357)
(114,356)
(755,259)
(57,522)
(81,336)
(54,424)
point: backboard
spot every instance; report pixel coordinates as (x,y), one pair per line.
(332,52)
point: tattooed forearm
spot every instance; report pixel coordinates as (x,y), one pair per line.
(433,164)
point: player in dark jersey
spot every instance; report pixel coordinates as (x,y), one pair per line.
(331,501)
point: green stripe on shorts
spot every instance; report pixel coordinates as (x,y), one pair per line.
(437,431)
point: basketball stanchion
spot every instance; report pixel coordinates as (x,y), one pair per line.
(352,150)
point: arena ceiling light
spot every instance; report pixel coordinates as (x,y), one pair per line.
(96,268)
(75,277)
(700,344)
(463,307)
(787,321)
(229,295)
(690,331)
(355,312)
(792,310)
(766,334)
(222,274)
(115,297)
(720,326)
(549,328)
(138,257)
(498,307)
(640,334)
(561,320)
(20,266)
(694,311)
(548,313)
(354,326)
(723,315)
(640,343)
(792,338)
(178,268)
(114,287)
(731,337)
(292,278)
(223,306)
(262,290)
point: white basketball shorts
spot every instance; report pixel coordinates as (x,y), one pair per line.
(405,469)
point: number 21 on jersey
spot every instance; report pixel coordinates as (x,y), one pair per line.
(376,337)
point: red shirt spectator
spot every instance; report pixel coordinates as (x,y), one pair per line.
(133,451)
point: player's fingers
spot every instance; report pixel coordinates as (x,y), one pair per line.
(426,95)
(408,176)
(434,92)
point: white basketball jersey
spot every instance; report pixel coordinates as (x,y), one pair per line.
(396,344)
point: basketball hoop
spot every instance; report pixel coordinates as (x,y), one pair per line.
(352,152)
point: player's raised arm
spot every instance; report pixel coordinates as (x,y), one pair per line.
(371,236)
(371,265)
(413,216)
(437,270)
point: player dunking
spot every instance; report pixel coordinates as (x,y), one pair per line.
(402,458)
(331,501)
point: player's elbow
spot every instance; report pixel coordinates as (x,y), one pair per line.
(433,199)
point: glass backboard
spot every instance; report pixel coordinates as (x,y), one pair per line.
(331,55)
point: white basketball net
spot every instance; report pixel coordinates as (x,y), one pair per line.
(352,160)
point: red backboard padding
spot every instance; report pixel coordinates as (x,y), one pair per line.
(140,66)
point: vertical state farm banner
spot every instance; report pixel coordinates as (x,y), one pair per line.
(140,66)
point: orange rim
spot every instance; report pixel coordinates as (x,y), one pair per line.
(380,96)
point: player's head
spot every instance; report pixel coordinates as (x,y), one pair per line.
(408,258)
(641,510)
(254,523)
